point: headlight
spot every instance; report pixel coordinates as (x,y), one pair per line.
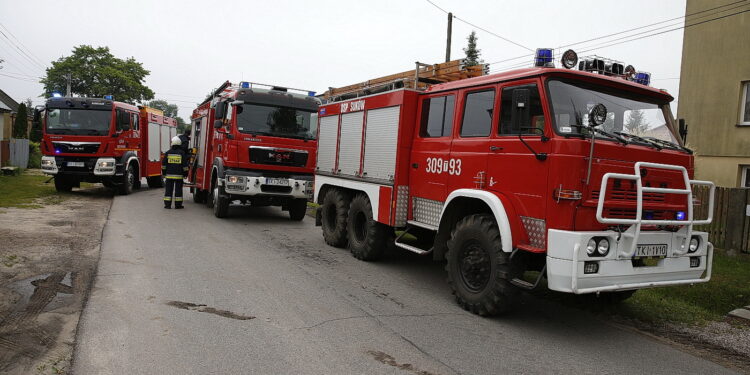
(603,247)
(106,164)
(694,243)
(233,179)
(48,163)
(591,247)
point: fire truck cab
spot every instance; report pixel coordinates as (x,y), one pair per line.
(577,174)
(254,144)
(102,140)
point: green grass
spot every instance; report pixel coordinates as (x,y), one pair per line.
(27,191)
(728,289)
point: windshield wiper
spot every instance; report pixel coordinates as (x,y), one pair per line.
(640,139)
(670,145)
(604,133)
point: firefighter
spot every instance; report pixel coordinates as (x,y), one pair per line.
(174,167)
(185,138)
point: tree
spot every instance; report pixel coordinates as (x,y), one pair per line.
(636,123)
(182,125)
(170,110)
(21,124)
(96,72)
(472,52)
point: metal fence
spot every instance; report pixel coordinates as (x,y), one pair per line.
(730,229)
(19,153)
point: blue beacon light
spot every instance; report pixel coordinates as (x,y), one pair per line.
(680,215)
(245,85)
(109,97)
(543,57)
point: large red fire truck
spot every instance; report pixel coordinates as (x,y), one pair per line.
(254,144)
(102,140)
(577,174)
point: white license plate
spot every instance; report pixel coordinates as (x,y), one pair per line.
(651,250)
(75,164)
(277,181)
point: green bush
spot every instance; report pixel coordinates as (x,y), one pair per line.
(35,155)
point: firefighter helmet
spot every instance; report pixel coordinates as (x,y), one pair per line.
(176,141)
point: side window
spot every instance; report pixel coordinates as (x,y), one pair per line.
(477,120)
(536,114)
(134,121)
(122,120)
(437,116)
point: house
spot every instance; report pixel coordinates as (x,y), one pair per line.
(8,108)
(714,95)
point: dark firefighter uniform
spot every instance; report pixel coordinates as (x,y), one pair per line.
(174,167)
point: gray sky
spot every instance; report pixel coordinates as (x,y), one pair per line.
(191,47)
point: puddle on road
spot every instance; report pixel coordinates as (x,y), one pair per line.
(210,310)
(388,359)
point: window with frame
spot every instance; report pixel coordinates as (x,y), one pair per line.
(437,116)
(745,176)
(134,121)
(536,113)
(477,118)
(745,104)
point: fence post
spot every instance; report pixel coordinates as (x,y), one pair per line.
(735,219)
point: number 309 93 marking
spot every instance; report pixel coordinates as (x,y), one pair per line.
(450,166)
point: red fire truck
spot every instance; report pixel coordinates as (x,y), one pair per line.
(575,173)
(102,140)
(255,144)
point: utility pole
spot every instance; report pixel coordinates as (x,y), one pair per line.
(448,44)
(69,76)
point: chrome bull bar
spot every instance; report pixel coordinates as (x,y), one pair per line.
(630,236)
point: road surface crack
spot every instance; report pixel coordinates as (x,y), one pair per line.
(206,309)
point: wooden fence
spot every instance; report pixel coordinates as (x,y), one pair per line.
(730,229)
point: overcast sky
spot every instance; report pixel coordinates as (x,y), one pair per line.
(191,47)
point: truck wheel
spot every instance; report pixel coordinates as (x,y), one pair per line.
(221,202)
(478,269)
(367,237)
(199,196)
(155,182)
(62,184)
(128,181)
(298,209)
(335,210)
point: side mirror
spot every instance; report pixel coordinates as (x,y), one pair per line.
(37,114)
(597,115)
(220,109)
(218,124)
(519,116)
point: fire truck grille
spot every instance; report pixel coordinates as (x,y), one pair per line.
(278,156)
(630,196)
(275,189)
(76,147)
(536,230)
(623,213)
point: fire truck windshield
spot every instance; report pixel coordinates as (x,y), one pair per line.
(274,121)
(637,119)
(78,121)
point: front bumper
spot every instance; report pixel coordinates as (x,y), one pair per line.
(567,258)
(80,166)
(245,185)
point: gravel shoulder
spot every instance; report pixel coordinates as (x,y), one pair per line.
(48,257)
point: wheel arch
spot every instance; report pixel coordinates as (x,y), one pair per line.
(463,202)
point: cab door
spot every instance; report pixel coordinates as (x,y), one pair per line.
(432,144)
(127,139)
(471,141)
(517,167)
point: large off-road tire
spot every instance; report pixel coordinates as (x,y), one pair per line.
(199,196)
(335,210)
(221,202)
(367,237)
(128,181)
(298,209)
(479,271)
(155,182)
(62,184)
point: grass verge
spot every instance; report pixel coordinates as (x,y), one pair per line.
(728,289)
(27,191)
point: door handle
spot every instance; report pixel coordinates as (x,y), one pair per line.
(415,165)
(495,148)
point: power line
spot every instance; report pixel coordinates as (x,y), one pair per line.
(22,53)
(36,59)
(636,28)
(19,78)
(480,28)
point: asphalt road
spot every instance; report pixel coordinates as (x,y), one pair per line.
(184,292)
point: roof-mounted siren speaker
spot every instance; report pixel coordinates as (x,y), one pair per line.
(278,88)
(613,69)
(569,59)
(629,73)
(543,58)
(593,66)
(643,78)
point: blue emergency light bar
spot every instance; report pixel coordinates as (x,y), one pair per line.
(56,95)
(109,97)
(311,93)
(245,85)
(543,57)
(643,78)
